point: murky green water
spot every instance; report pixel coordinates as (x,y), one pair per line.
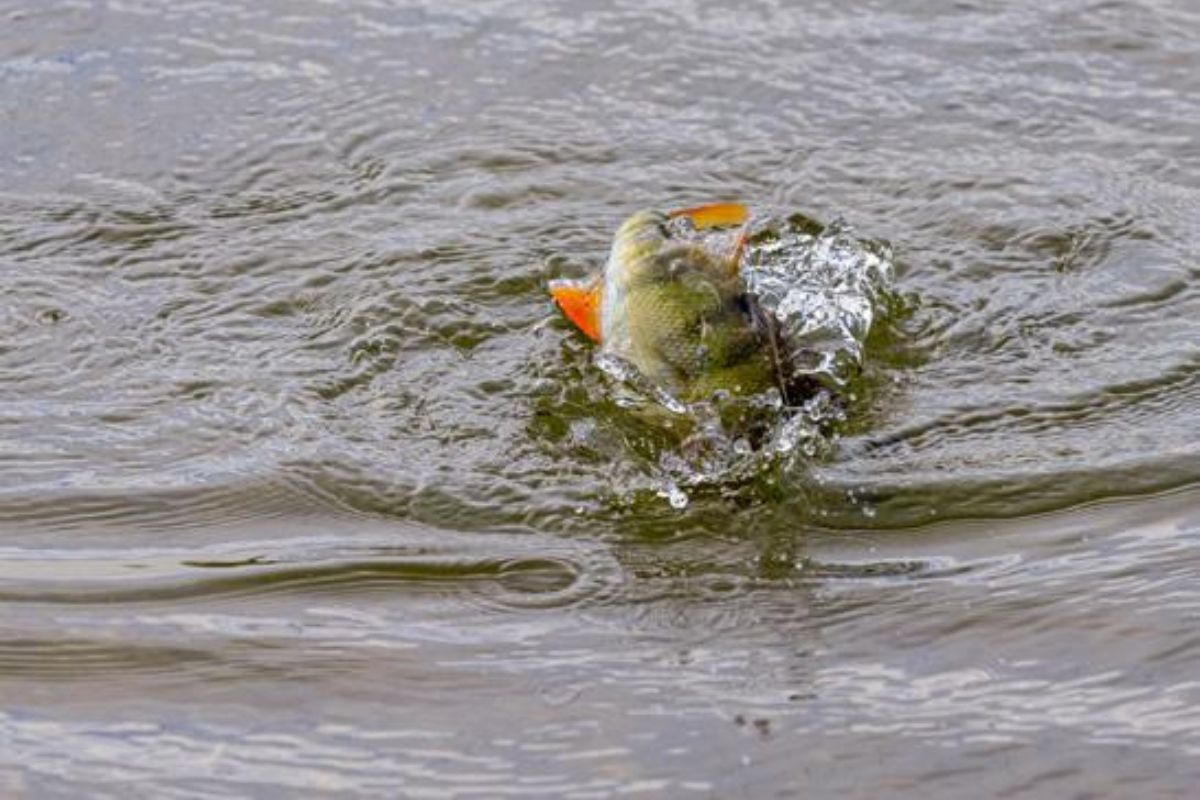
(305,490)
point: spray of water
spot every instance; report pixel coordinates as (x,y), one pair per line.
(826,288)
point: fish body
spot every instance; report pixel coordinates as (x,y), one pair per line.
(676,310)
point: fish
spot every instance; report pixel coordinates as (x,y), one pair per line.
(677,310)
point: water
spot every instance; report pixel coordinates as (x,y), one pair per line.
(305,490)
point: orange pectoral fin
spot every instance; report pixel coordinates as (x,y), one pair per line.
(580,303)
(717,215)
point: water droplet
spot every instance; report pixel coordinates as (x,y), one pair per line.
(674,495)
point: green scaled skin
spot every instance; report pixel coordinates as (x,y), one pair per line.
(688,325)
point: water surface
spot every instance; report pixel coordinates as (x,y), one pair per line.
(305,490)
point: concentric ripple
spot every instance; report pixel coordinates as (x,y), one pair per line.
(305,487)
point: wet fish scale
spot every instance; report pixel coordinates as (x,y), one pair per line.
(690,328)
(676,309)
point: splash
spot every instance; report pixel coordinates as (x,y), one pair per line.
(826,288)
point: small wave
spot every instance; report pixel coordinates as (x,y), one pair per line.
(494,572)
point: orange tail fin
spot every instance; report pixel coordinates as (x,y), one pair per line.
(580,303)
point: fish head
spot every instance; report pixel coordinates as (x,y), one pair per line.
(631,258)
(636,243)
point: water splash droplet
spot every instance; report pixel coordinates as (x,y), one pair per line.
(674,495)
(825,287)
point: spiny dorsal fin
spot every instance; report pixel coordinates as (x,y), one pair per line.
(721,215)
(714,215)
